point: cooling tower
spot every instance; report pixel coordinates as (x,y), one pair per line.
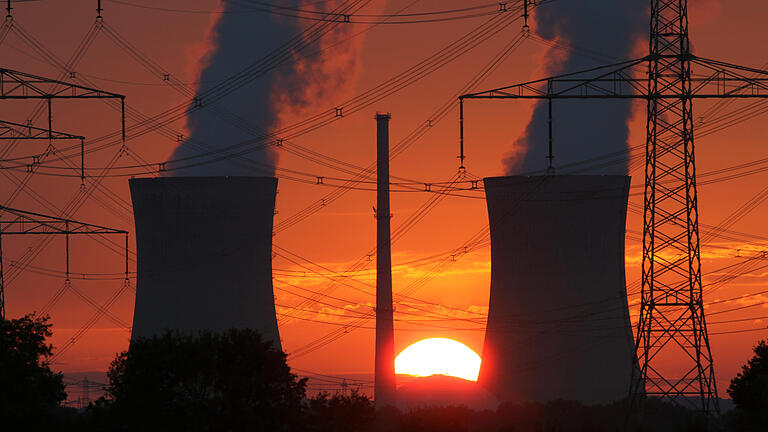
(204,250)
(558,324)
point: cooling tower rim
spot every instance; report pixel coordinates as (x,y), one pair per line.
(558,187)
(558,176)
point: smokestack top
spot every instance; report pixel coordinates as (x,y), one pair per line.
(383,116)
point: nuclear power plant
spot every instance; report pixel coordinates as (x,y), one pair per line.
(271,84)
(558,324)
(204,249)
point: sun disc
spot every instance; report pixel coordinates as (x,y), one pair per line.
(438,356)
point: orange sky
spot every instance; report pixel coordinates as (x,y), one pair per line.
(343,232)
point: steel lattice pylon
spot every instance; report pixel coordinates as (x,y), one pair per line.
(672,329)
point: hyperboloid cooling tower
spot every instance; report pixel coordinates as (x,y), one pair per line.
(558,324)
(204,248)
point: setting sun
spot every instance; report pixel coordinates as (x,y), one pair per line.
(438,356)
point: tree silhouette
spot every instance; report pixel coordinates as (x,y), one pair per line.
(29,390)
(212,381)
(749,389)
(339,413)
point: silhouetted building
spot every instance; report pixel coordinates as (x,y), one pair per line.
(384,362)
(204,250)
(558,323)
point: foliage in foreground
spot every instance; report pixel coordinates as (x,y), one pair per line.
(29,390)
(214,381)
(749,391)
(236,381)
(554,416)
(338,412)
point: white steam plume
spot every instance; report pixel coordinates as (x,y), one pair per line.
(582,129)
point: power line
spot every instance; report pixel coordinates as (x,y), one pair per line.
(248,6)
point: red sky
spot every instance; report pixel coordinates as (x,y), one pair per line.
(343,232)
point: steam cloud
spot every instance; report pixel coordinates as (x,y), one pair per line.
(282,94)
(582,129)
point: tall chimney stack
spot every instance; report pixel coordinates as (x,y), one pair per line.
(384,386)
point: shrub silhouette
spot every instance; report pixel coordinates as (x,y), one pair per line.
(339,413)
(749,391)
(211,381)
(30,391)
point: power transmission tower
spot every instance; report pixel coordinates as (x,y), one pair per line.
(672,324)
(20,222)
(21,85)
(673,351)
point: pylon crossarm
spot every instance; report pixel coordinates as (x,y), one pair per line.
(18,131)
(626,81)
(730,80)
(21,85)
(24,222)
(603,82)
(729,67)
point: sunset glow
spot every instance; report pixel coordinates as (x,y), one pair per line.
(438,356)
(302,95)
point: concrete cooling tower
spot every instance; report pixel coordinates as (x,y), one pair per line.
(558,324)
(204,248)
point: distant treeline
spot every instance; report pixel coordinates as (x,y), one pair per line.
(235,381)
(354,412)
